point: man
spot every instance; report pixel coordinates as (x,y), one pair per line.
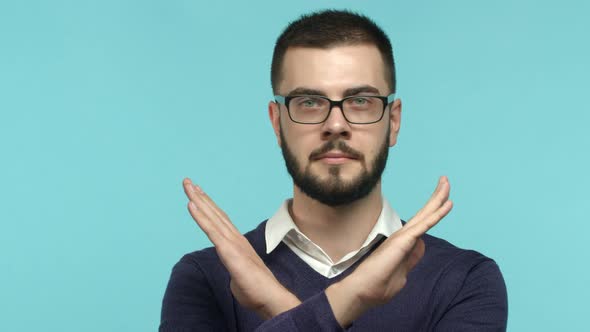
(336,256)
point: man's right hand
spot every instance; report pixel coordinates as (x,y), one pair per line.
(252,283)
(383,274)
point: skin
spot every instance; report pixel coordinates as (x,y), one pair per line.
(337,230)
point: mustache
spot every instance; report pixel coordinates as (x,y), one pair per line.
(336,145)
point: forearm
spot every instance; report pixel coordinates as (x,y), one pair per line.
(313,314)
(339,302)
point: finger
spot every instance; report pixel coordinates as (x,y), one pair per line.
(231,253)
(219,219)
(218,223)
(199,192)
(213,219)
(424,207)
(221,215)
(189,190)
(186,185)
(440,194)
(206,224)
(420,227)
(437,199)
(197,195)
(228,245)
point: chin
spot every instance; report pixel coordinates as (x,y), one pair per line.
(337,174)
(348,167)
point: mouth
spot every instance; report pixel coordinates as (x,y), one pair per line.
(334,157)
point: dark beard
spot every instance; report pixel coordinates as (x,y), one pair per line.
(335,191)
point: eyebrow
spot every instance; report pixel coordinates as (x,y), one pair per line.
(348,92)
(306,91)
(360,89)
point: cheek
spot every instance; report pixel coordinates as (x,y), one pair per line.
(301,141)
(301,148)
(374,144)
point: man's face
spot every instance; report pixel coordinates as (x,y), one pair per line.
(335,162)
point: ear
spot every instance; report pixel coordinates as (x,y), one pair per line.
(274,114)
(395,120)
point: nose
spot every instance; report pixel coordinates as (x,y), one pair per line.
(335,125)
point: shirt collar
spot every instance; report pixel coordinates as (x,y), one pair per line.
(281,223)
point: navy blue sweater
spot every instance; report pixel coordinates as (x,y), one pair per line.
(450,289)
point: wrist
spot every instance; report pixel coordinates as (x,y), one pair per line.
(280,300)
(345,301)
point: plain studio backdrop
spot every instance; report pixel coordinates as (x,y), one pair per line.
(106,105)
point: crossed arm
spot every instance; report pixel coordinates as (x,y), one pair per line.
(382,275)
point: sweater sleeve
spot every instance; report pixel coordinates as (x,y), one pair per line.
(313,314)
(189,304)
(480,305)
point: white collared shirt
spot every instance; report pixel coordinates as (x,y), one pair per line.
(280,227)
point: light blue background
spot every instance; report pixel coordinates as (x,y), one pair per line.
(106,105)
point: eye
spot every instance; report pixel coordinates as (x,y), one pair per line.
(359,101)
(309,103)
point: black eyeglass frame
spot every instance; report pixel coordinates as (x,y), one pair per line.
(286,99)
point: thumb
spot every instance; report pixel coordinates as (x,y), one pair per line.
(415,255)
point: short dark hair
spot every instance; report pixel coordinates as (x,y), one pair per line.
(329,28)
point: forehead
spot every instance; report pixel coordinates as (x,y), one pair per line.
(334,69)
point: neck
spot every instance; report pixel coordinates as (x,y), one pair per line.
(338,230)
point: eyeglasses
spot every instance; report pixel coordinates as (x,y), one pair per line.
(309,109)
